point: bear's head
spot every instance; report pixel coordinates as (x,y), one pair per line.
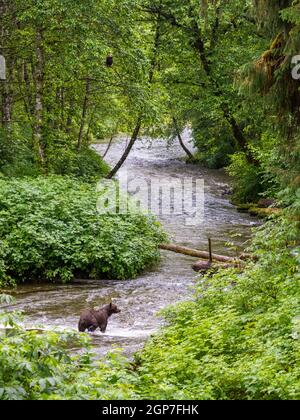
(113,309)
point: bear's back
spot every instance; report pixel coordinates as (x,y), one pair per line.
(101,316)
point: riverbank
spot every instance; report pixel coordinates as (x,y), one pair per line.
(58,306)
(239,338)
(236,339)
(209,343)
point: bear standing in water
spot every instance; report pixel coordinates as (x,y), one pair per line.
(91,320)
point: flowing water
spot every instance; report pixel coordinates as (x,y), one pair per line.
(59,307)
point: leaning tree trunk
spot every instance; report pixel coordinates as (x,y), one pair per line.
(108,146)
(138,125)
(128,149)
(178,133)
(237,131)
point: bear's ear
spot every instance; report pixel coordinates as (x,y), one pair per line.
(110,305)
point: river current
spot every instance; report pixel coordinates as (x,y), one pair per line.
(59,306)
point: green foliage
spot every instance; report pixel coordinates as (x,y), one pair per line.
(240,338)
(32,365)
(59,87)
(35,365)
(85,164)
(200,82)
(247,179)
(50,230)
(16,155)
(214,142)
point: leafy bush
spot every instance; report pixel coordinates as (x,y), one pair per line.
(50,230)
(240,338)
(86,164)
(214,141)
(247,179)
(16,154)
(17,158)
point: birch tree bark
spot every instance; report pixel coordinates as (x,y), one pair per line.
(38,74)
(84,112)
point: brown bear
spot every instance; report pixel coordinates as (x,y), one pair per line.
(91,319)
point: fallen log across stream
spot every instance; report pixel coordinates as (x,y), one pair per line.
(196,253)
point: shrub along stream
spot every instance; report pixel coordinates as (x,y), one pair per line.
(50,230)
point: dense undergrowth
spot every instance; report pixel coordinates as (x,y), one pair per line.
(17,158)
(50,230)
(238,339)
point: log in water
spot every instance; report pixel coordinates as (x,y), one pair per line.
(195,253)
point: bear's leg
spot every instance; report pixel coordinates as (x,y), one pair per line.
(103,327)
(92,328)
(82,326)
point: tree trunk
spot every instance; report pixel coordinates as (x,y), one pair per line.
(70,114)
(140,118)
(28,97)
(39,100)
(195,253)
(108,147)
(7,83)
(90,124)
(7,102)
(237,131)
(7,93)
(190,155)
(84,112)
(62,107)
(128,149)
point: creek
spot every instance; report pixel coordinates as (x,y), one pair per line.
(59,306)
